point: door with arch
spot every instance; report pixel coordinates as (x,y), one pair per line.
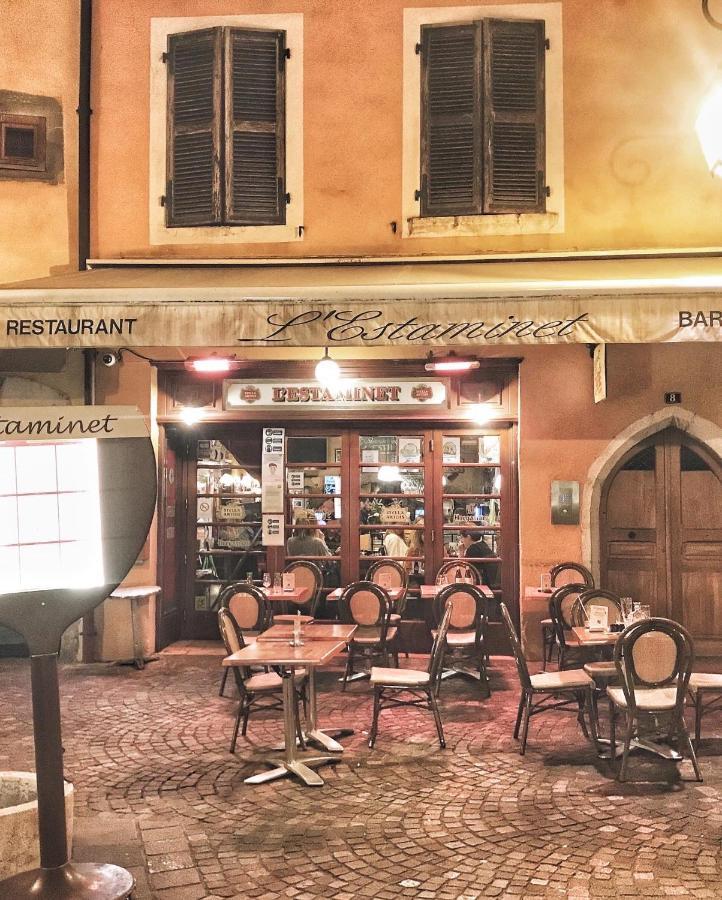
(661,533)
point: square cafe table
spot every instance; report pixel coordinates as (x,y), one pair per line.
(429,591)
(278,595)
(309,655)
(587,638)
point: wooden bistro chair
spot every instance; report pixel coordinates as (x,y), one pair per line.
(603,671)
(704,686)
(561,605)
(259,690)
(654,659)
(307,574)
(366,605)
(412,687)
(554,690)
(465,638)
(395,575)
(580,575)
(250,609)
(447,571)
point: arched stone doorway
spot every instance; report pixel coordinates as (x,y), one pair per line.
(652,520)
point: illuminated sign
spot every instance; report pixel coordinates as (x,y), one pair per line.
(348,393)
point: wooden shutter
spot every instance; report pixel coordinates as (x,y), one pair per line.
(194,128)
(451,120)
(514,152)
(255,127)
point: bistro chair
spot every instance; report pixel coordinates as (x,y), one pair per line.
(395,575)
(654,659)
(704,685)
(447,572)
(412,687)
(465,638)
(250,610)
(366,605)
(547,625)
(555,690)
(585,576)
(307,574)
(259,690)
(561,606)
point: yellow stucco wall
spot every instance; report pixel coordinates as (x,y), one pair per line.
(634,73)
(39,56)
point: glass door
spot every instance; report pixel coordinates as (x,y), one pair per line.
(393,499)
(471,489)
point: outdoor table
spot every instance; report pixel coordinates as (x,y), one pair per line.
(309,655)
(297,595)
(429,591)
(587,638)
(395,593)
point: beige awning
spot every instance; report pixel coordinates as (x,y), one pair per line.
(379,304)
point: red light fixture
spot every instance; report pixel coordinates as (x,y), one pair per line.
(211,365)
(451,364)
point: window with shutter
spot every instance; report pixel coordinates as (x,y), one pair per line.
(226,128)
(482,118)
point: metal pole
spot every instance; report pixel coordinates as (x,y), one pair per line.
(49,761)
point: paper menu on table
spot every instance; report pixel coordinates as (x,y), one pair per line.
(598,618)
(289,582)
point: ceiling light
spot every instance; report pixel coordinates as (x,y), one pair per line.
(327,370)
(450,364)
(708,124)
(389,473)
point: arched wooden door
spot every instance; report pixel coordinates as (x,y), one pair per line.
(661,532)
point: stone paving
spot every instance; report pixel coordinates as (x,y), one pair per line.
(158,792)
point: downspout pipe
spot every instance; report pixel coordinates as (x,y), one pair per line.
(84,113)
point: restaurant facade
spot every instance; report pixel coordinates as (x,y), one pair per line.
(580,416)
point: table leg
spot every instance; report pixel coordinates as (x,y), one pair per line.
(314,733)
(291,763)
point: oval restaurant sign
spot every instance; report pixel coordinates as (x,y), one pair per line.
(269,394)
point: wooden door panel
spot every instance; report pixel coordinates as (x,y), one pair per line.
(703,603)
(631,500)
(701,500)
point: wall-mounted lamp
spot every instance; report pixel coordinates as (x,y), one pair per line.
(480,413)
(327,370)
(207,365)
(708,124)
(191,415)
(451,364)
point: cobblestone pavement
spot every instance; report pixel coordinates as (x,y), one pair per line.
(158,792)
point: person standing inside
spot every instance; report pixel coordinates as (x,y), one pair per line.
(394,543)
(473,546)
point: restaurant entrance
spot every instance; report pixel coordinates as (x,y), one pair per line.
(417,488)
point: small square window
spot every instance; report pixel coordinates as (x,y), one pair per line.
(22,142)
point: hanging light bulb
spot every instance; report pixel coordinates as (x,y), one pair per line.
(327,371)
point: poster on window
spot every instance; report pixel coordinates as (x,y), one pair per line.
(273,527)
(272,466)
(451,449)
(295,481)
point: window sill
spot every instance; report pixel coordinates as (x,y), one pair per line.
(483,226)
(225,234)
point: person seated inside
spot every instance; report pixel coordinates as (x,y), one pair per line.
(303,541)
(472,545)
(394,543)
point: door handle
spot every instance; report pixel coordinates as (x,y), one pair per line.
(632,535)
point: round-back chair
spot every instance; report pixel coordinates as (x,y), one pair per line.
(248,605)
(561,606)
(448,569)
(308,575)
(596,597)
(654,659)
(571,572)
(389,573)
(465,639)
(366,605)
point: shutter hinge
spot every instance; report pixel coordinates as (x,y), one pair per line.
(288,198)
(164,57)
(547,43)
(417,194)
(287,53)
(548,191)
(417,49)
(300,230)
(163,199)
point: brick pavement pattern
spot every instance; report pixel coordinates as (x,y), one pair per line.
(158,792)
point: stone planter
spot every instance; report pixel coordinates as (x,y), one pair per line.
(19,849)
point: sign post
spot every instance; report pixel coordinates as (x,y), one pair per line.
(94,467)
